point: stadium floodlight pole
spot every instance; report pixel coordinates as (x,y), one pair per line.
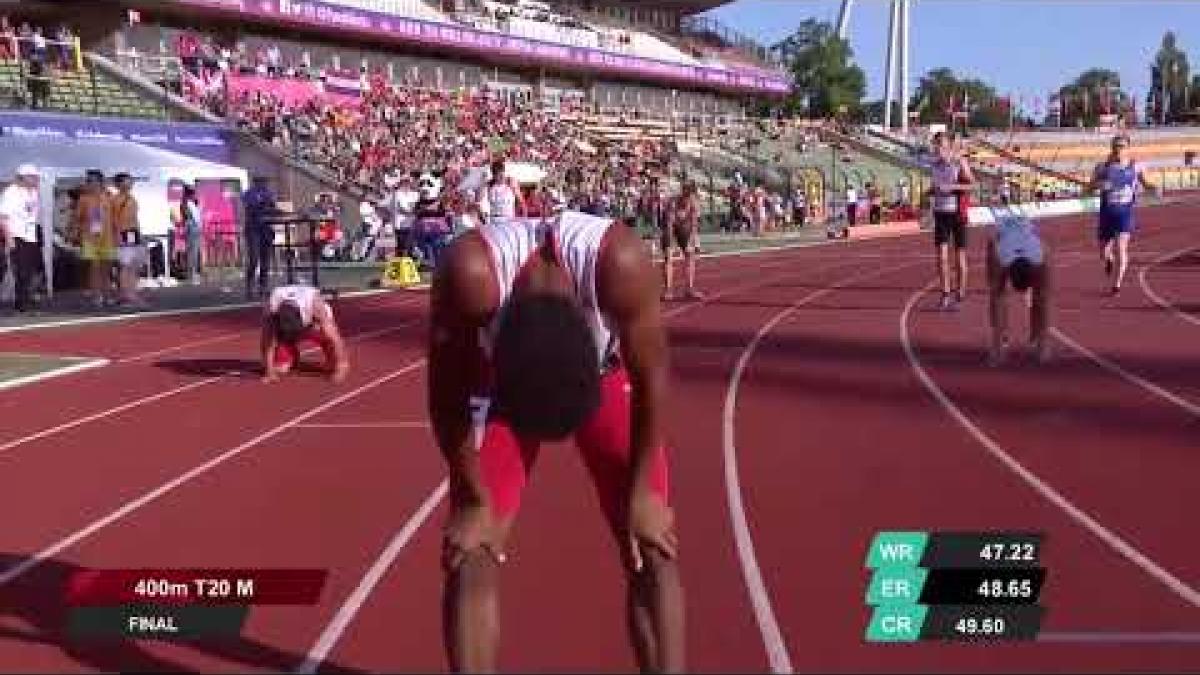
(889,89)
(843,23)
(905,9)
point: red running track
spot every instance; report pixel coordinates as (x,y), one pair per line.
(814,391)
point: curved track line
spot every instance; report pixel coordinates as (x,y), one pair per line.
(358,597)
(1158,299)
(1188,594)
(1142,382)
(756,587)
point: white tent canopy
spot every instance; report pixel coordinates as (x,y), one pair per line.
(151,168)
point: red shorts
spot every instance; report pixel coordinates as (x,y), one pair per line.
(288,355)
(505,460)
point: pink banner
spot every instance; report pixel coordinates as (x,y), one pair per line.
(291,91)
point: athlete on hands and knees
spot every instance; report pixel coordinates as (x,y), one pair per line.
(542,330)
(1117,179)
(295,316)
(682,224)
(1016,254)
(951,177)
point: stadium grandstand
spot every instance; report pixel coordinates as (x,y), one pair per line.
(344,97)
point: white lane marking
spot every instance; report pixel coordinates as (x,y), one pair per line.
(88,530)
(1158,299)
(136,403)
(1114,541)
(1112,367)
(84,364)
(362,592)
(366,425)
(1121,637)
(134,316)
(229,336)
(756,587)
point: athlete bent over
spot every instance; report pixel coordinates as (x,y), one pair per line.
(1017,255)
(543,330)
(295,316)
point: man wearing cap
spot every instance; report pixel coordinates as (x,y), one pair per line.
(20,208)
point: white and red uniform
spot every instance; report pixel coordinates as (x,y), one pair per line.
(501,199)
(577,241)
(304,297)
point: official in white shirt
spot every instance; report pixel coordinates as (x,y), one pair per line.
(20,208)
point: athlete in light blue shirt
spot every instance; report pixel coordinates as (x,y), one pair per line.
(1017,254)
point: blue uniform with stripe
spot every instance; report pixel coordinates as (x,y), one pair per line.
(1118,194)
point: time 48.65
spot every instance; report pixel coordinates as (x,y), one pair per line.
(1006,588)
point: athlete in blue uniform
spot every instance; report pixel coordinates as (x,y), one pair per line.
(1117,179)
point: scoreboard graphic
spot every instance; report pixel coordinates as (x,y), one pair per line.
(955,586)
(155,604)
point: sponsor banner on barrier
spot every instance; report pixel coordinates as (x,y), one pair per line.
(202,141)
(325,14)
(981,215)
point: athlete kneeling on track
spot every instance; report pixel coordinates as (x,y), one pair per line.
(296,316)
(1016,254)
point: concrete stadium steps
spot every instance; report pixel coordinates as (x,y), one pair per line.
(86,93)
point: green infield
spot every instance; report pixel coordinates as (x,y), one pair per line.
(19,369)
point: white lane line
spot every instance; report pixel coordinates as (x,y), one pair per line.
(136,403)
(1158,299)
(134,316)
(1114,541)
(354,602)
(366,425)
(760,598)
(79,535)
(84,364)
(1121,637)
(1112,367)
(229,336)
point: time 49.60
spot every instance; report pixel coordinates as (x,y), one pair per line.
(991,625)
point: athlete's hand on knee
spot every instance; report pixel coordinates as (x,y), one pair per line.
(651,523)
(469,529)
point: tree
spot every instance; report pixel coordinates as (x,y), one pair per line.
(1170,74)
(825,79)
(1094,93)
(940,94)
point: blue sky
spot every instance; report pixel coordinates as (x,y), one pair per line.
(1024,47)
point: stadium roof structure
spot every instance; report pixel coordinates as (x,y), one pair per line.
(686,7)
